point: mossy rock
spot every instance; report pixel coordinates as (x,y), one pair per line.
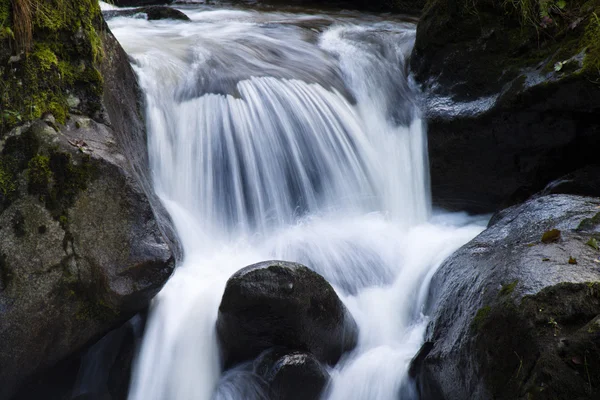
(61,60)
(511,321)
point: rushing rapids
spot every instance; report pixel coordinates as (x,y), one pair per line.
(287,136)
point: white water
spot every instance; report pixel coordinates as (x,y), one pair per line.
(287,136)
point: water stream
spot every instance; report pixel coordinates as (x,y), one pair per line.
(295,136)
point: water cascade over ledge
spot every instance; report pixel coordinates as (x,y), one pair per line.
(288,136)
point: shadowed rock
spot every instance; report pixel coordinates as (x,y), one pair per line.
(282,304)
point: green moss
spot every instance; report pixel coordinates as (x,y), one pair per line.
(64,60)
(508,288)
(7,184)
(480,317)
(39,175)
(589,223)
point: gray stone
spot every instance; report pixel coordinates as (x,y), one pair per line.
(514,317)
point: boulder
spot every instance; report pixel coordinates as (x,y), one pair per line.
(282,304)
(291,375)
(516,311)
(511,98)
(151,13)
(84,241)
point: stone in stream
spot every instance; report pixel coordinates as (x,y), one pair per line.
(512,317)
(291,375)
(278,303)
(151,12)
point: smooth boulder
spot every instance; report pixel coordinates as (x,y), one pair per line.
(516,311)
(282,304)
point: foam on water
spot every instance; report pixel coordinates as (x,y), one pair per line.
(280,136)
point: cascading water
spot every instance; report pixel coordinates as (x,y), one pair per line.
(287,136)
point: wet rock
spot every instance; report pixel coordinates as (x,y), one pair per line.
(151,13)
(511,317)
(503,119)
(282,304)
(292,375)
(84,242)
(101,371)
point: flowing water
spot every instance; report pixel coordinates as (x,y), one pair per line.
(295,136)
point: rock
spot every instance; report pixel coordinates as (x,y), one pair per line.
(511,317)
(583,182)
(503,121)
(101,371)
(151,12)
(84,242)
(292,375)
(140,3)
(412,7)
(282,304)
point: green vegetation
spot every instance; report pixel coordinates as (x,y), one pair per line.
(55,51)
(39,175)
(7,184)
(480,317)
(55,176)
(589,223)
(508,288)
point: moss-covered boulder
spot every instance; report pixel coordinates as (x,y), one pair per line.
(84,242)
(516,311)
(512,95)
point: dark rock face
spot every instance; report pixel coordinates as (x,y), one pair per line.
(516,316)
(503,119)
(140,3)
(413,7)
(292,375)
(102,371)
(152,13)
(84,243)
(583,182)
(282,304)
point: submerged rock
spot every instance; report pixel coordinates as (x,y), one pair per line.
(151,12)
(513,318)
(511,98)
(292,375)
(282,304)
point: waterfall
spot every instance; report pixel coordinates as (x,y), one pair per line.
(290,136)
